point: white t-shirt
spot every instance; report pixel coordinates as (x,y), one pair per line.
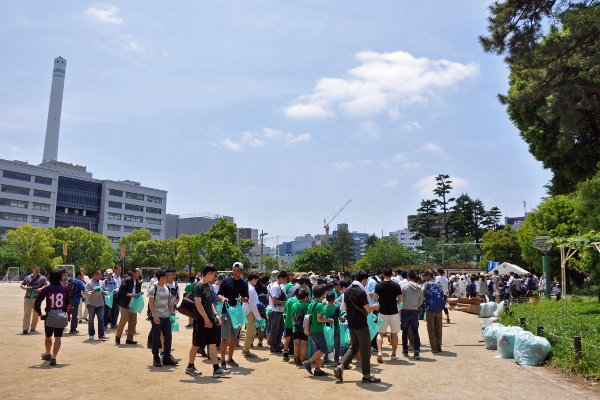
(443,281)
(275,291)
(398,279)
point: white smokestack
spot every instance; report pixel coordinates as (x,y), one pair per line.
(56,96)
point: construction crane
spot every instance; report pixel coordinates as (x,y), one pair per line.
(332,218)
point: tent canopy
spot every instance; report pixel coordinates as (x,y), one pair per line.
(506,268)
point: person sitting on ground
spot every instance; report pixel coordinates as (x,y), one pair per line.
(57,297)
(161,306)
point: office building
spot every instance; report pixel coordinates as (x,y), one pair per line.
(515,222)
(59,194)
(191,224)
(405,238)
(437,223)
(248,233)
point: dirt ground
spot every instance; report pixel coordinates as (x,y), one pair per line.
(465,369)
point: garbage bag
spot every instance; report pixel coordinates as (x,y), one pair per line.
(485,324)
(373,324)
(260,324)
(174,324)
(329,337)
(137,305)
(506,341)
(219,308)
(531,350)
(487,309)
(236,313)
(108,300)
(490,334)
(344,335)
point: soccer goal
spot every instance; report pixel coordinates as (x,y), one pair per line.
(69,268)
(12,275)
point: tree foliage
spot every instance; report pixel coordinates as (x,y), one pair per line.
(85,249)
(319,259)
(423,225)
(502,246)
(34,246)
(441,190)
(387,252)
(469,218)
(342,246)
(9,257)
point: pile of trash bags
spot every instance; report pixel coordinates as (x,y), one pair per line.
(488,309)
(490,335)
(506,341)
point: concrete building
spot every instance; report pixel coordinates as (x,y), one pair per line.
(437,223)
(248,233)
(360,242)
(191,224)
(515,222)
(60,194)
(405,238)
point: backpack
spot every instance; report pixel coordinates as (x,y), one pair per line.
(299,322)
(436,299)
(471,289)
(71,287)
(307,319)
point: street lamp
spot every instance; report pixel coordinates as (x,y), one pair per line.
(541,243)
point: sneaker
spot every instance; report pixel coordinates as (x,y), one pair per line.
(220,373)
(339,373)
(169,361)
(286,358)
(130,342)
(73,332)
(223,365)
(249,354)
(320,372)
(417,356)
(394,357)
(336,364)
(380,357)
(405,353)
(91,337)
(373,350)
(53,361)
(117,340)
(232,363)
(298,362)
(371,379)
(192,371)
(25,331)
(103,337)
(32,330)
(157,362)
(308,366)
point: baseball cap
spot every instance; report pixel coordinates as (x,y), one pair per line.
(109,271)
(221,276)
(238,265)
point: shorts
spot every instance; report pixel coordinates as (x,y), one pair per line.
(300,336)
(203,336)
(227,331)
(289,332)
(393,321)
(318,339)
(56,332)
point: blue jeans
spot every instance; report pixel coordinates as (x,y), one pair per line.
(276,330)
(410,319)
(96,312)
(74,315)
(163,327)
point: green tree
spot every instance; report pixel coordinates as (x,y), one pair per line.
(469,218)
(147,254)
(85,249)
(34,246)
(169,250)
(426,219)
(502,246)
(189,252)
(387,252)
(131,242)
(9,257)
(371,240)
(554,81)
(269,263)
(442,189)
(587,206)
(319,259)
(495,215)
(342,245)
(219,245)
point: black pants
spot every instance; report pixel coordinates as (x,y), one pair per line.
(111,315)
(446,308)
(360,340)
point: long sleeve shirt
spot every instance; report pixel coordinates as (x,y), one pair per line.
(250,306)
(95,299)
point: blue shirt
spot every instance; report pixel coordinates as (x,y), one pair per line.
(110,284)
(371,283)
(79,286)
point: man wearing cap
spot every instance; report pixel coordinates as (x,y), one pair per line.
(110,314)
(231,290)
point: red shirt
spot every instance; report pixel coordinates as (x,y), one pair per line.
(57,298)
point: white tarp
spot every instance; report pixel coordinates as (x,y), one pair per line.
(506,268)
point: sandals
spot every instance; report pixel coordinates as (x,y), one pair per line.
(46,356)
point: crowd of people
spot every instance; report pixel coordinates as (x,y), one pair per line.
(287,311)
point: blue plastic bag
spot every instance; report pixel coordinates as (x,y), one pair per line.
(238,319)
(137,305)
(174,324)
(219,308)
(490,335)
(108,300)
(373,324)
(531,350)
(260,324)
(506,340)
(329,333)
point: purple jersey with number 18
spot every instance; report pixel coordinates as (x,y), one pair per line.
(57,298)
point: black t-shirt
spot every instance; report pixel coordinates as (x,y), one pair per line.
(233,289)
(205,292)
(387,292)
(356,318)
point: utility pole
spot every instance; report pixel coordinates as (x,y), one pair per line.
(262,235)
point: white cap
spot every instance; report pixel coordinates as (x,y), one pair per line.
(239,265)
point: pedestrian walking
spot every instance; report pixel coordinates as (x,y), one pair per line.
(76,287)
(412,299)
(433,301)
(32,284)
(161,307)
(130,289)
(389,296)
(95,290)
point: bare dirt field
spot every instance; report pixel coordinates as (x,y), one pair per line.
(465,369)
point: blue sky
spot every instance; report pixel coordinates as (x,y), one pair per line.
(275,113)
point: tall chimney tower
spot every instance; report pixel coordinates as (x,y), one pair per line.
(56,96)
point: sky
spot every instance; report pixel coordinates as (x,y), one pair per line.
(275,113)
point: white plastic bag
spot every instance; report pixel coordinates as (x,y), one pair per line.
(487,309)
(490,334)
(506,341)
(531,350)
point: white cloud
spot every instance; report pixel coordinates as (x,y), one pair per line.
(434,148)
(106,15)
(342,165)
(369,128)
(412,125)
(137,47)
(400,157)
(261,138)
(382,82)
(390,184)
(426,185)
(231,145)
